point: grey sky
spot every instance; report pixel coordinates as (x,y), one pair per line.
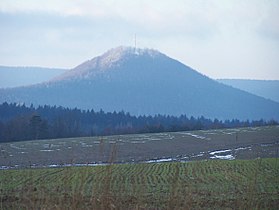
(219,38)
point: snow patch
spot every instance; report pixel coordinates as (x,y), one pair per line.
(196,136)
(198,155)
(159,160)
(16,147)
(220,151)
(242,148)
(223,157)
(46,150)
(137,142)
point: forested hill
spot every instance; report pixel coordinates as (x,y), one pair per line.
(143,82)
(19,122)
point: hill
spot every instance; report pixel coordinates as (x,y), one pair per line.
(144,82)
(265,88)
(23,76)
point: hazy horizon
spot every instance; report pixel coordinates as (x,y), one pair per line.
(221,39)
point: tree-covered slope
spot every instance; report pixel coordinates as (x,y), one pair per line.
(144,82)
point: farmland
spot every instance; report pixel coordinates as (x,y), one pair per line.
(212,184)
(238,143)
(206,169)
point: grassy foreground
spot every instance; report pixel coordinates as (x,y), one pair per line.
(214,184)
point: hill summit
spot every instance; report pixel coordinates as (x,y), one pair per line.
(144,82)
(109,60)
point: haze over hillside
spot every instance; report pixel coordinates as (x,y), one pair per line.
(22,76)
(266,88)
(143,82)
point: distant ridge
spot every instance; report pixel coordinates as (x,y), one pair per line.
(268,89)
(13,76)
(144,82)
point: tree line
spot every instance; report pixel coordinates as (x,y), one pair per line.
(21,122)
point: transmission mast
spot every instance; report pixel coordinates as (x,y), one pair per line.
(135,41)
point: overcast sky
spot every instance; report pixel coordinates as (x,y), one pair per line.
(219,38)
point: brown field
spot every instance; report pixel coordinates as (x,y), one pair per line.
(241,143)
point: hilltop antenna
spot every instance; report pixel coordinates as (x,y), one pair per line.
(135,41)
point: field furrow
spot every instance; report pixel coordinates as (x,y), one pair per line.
(213,184)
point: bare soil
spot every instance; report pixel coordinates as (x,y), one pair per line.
(241,143)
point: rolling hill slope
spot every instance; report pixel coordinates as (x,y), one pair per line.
(143,82)
(22,76)
(265,88)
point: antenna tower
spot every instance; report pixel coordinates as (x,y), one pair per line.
(135,41)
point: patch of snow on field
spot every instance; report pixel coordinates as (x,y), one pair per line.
(266,145)
(223,157)
(46,150)
(74,164)
(220,151)
(4,167)
(210,133)
(16,147)
(197,136)
(85,145)
(137,142)
(218,154)
(154,139)
(160,160)
(163,136)
(198,155)
(54,165)
(242,148)
(112,142)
